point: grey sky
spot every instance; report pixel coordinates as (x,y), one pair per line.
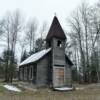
(43,10)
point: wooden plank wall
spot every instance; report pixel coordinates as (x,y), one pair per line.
(42,72)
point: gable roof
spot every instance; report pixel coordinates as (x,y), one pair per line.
(35,57)
(55,30)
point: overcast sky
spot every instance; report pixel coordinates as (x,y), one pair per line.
(43,10)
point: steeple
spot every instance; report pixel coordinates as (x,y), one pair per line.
(55,30)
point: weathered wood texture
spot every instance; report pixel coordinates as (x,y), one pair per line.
(42,72)
(27,73)
(58,53)
(68,76)
(58,59)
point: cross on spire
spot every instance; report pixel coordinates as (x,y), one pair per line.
(55,14)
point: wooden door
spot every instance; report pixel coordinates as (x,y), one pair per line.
(58,77)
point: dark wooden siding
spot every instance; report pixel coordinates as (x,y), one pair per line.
(58,53)
(68,77)
(42,72)
(28,73)
(58,57)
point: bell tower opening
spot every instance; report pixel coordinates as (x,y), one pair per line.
(59,43)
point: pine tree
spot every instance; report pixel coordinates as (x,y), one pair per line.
(24,56)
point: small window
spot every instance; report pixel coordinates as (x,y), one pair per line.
(25,72)
(59,43)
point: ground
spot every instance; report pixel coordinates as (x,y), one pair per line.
(82,92)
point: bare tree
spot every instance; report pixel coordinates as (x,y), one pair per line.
(6,30)
(40,42)
(31,33)
(11,28)
(95,35)
(79,25)
(16,27)
(43,30)
(85,30)
(23,45)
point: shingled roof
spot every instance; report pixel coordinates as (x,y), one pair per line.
(55,30)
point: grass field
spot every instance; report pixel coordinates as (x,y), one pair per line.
(83,92)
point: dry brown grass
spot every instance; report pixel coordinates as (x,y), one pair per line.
(89,93)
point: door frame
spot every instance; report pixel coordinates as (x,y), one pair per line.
(54,67)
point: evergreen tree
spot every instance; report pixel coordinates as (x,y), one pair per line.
(40,45)
(9,65)
(24,56)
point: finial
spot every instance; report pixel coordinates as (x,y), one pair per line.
(55,14)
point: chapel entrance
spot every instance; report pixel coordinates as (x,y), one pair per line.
(58,77)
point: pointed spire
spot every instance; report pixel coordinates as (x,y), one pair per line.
(55,30)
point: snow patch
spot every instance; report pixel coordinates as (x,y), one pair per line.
(79,88)
(12,88)
(64,88)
